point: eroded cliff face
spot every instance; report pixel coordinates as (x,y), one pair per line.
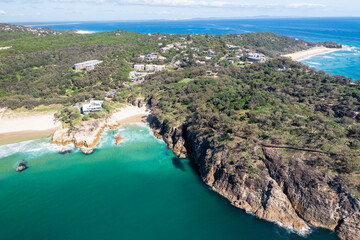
(318,197)
(287,191)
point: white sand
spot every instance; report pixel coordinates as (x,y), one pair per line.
(305,54)
(83,32)
(28,122)
(89,132)
(127,112)
(21,123)
(3,48)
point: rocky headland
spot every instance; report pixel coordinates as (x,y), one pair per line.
(287,190)
(87,135)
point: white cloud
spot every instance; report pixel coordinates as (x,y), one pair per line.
(2,12)
(65,1)
(305,5)
(214,4)
(73,1)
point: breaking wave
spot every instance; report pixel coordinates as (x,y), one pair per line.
(314,63)
(33,148)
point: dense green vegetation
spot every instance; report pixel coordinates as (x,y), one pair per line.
(38,69)
(297,107)
(278,102)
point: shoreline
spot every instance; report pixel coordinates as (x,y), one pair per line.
(25,127)
(21,136)
(84,32)
(20,121)
(314,51)
(22,125)
(88,135)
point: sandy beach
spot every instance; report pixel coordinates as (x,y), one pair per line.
(83,32)
(16,126)
(20,122)
(129,114)
(88,134)
(305,54)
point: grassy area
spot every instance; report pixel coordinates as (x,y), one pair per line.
(42,109)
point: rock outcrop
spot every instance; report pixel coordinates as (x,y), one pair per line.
(286,191)
(118,140)
(87,135)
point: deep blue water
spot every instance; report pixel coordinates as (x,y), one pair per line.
(342,30)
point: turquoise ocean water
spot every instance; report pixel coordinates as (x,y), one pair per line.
(140,190)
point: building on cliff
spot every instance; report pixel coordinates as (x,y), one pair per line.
(93,106)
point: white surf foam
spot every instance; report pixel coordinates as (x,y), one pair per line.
(32,147)
(303,232)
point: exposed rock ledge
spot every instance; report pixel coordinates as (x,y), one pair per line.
(286,191)
(88,134)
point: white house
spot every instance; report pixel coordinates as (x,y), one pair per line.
(93,106)
(159,68)
(150,67)
(139,67)
(141,58)
(256,57)
(88,65)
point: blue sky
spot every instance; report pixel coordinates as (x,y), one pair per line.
(86,10)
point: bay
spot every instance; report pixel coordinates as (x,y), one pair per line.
(138,190)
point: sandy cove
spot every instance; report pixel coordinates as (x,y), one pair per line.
(88,134)
(16,126)
(305,54)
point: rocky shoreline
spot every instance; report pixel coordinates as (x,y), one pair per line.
(291,193)
(87,136)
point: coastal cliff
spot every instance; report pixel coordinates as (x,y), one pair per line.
(287,190)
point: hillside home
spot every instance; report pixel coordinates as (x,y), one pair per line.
(141,58)
(256,57)
(150,67)
(159,68)
(139,67)
(93,106)
(151,56)
(88,65)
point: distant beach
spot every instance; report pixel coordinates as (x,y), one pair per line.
(305,54)
(84,32)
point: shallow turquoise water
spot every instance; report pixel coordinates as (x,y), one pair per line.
(137,190)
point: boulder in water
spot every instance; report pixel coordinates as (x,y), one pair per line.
(118,140)
(87,151)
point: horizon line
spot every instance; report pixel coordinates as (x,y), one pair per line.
(183,19)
